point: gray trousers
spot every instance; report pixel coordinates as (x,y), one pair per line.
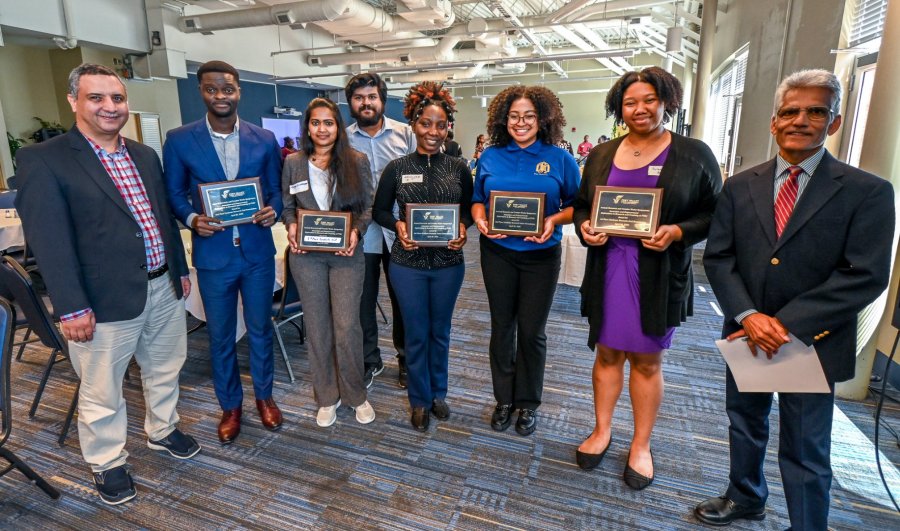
(330,287)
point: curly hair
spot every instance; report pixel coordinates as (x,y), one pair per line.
(667,88)
(546,103)
(342,164)
(424,94)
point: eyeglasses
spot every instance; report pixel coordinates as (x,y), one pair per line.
(815,114)
(514,118)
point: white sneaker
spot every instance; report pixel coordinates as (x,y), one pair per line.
(327,415)
(365,413)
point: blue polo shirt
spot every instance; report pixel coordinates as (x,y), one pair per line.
(539,167)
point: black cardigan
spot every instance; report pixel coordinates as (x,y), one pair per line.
(691,182)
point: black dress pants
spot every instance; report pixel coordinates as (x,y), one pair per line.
(520,286)
(368,317)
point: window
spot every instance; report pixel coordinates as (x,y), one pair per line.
(867,20)
(726,91)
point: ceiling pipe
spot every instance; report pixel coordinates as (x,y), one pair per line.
(342,17)
(566,10)
(414,56)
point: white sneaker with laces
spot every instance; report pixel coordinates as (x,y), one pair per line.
(327,415)
(365,413)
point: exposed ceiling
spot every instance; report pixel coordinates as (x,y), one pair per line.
(463,40)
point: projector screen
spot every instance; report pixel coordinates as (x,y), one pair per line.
(282,127)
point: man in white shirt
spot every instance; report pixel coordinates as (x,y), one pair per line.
(382,140)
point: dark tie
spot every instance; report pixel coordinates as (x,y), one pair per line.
(787,196)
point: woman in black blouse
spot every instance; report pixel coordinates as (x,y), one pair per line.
(426,280)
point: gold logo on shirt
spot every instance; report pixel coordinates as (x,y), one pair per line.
(542,168)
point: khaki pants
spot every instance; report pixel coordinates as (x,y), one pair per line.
(157,339)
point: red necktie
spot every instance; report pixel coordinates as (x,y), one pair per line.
(787,196)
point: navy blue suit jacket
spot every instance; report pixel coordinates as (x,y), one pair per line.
(832,259)
(190,158)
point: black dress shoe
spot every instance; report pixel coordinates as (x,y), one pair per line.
(722,511)
(440,409)
(527,422)
(420,418)
(502,417)
(588,461)
(634,479)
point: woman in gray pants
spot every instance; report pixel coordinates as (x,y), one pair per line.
(327,174)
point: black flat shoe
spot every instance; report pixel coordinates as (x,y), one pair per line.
(502,417)
(588,461)
(722,511)
(440,409)
(527,422)
(635,480)
(420,418)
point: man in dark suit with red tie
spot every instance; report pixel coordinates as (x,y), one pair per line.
(798,245)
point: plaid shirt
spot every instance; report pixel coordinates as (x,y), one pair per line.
(125,177)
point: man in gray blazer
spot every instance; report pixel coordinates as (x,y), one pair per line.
(798,245)
(94,210)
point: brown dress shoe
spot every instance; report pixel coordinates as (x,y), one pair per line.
(230,425)
(269,413)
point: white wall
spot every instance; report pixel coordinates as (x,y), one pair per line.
(120,24)
(784,36)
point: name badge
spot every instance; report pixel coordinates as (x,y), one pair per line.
(302,186)
(654,170)
(416,178)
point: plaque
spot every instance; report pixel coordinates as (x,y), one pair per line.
(231,202)
(629,212)
(319,230)
(432,225)
(516,213)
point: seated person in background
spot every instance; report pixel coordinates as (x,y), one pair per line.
(288,147)
(452,147)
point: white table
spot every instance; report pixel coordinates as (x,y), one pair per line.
(11,234)
(574,256)
(194,304)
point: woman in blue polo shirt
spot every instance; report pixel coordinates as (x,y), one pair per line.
(524,125)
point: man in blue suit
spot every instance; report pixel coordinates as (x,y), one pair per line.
(235,259)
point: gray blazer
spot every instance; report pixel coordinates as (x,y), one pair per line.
(296,170)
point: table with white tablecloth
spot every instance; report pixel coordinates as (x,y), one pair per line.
(11,234)
(194,304)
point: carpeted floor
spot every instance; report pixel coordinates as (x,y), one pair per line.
(459,475)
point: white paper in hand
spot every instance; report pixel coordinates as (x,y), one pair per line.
(795,369)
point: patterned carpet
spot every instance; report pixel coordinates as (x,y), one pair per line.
(459,475)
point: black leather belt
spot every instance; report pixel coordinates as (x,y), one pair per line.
(158,272)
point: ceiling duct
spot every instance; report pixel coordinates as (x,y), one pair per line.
(340,17)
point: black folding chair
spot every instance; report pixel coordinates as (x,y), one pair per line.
(7,318)
(286,309)
(19,284)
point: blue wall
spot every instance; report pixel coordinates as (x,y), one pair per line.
(257,100)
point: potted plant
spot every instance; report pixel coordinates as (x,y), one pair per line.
(48,130)
(14,145)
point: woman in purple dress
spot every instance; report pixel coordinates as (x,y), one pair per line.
(636,291)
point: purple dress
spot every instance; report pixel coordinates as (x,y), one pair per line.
(621,328)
